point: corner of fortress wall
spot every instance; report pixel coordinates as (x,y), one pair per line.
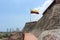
(49,21)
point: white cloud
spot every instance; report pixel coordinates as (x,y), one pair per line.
(41,10)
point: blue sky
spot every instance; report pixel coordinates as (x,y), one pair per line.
(15,13)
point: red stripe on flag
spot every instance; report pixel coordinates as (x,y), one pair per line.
(32,12)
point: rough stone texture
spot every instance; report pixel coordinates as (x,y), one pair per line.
(29,26)
(54,22)
(50,35)
(49,21)
(57,1)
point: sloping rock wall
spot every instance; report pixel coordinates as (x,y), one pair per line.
(49,21)
(29,26)
(50,35)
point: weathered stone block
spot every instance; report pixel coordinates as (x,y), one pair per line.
(50,35)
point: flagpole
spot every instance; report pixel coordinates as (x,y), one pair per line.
(30,17)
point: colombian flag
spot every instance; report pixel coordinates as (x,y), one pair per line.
(34,12)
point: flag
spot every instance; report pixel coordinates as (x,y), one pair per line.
(34,12)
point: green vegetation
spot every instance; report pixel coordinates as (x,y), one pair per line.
(3,34)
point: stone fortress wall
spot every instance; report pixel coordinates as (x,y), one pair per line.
(49,21)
